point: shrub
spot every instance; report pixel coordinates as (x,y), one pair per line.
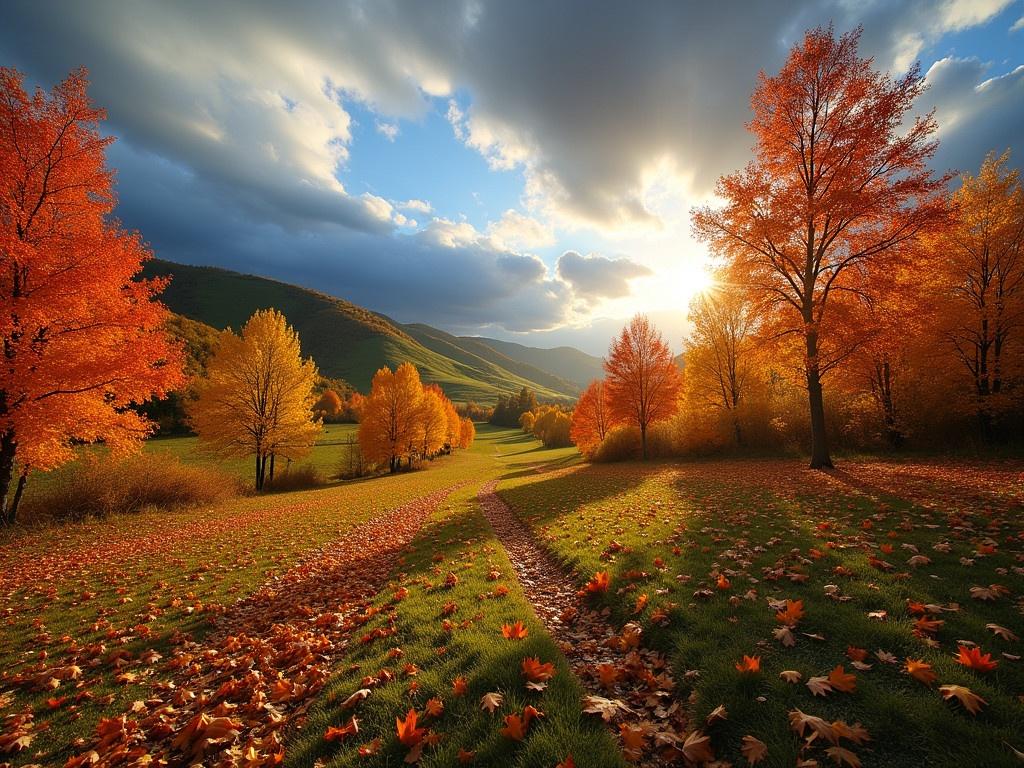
(102,485)
(298,478)
(622,443)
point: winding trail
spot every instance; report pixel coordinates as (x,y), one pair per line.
(230,696)
(612,664)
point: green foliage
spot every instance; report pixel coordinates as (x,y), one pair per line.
(344,339)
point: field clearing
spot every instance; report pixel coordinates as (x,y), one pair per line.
(99,616)
(330,457)
(874,551)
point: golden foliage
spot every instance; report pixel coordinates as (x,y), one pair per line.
(257,397)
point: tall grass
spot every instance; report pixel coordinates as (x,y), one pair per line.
(99,486)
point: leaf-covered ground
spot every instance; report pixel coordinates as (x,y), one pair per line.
(864,573)
(754,612)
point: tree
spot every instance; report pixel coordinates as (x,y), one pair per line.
(329,405)
(719,351)
(981,260)
(82,339)
(432,422)
(257,398)
(551,426)
(526,421)
(453,431)
(467,432)
(839,182)
(390,413)
(591,418)
(642,378)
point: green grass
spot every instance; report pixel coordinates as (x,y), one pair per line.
(165,572)
(751,519)
(457,540)
(133,582)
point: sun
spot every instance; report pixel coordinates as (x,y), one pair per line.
(697,278)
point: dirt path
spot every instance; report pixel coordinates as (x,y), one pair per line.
(229,698)
(632,684)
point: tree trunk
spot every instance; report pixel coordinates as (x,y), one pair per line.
(820,458)
(18,493)
(272,457)
(8,449)
(738,430)
(643,441)
(259,472)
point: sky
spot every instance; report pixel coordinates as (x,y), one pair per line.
(520,170)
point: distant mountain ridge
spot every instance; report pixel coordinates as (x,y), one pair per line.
(567,363)
(351,342)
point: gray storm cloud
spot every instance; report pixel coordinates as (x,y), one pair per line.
(232,124)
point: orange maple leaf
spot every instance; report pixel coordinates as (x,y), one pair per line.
(599,582)
(514,631)
(537,672)
(408,733)
(920,671)
(749,664)
(973,658)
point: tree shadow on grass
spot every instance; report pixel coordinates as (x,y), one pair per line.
(457,539)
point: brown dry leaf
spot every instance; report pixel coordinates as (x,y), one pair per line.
(843,757)
(491,701)
(753,749)
(819,686)
(970,701)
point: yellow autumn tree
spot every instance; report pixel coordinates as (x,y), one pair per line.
(432,422)
(467,432)
(257,397)
(391,413)
(453,431)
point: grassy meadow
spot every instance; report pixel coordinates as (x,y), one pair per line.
(99,616)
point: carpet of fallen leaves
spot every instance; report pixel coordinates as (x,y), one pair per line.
(226,701)
(869,616)
(90,612)
(709,613)
(628,685)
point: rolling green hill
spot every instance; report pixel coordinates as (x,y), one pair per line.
(348,341)
(567,363)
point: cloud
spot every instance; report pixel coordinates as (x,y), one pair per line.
(234,125)
(598,277)
(1018,25)
(388,130)
(515,230)
(977,111)
(420,206)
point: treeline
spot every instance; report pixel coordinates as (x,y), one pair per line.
(548,423)
(858,301)
(510,408)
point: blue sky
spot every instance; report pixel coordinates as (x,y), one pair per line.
(519,170)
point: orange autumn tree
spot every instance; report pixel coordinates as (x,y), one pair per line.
(591,418)
(467,432)
(388,428)
(839,181)
(643,380)
(83,340)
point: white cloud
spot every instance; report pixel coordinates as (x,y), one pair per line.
(515,230)
(420,206)
(388,130)
(1018,25)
